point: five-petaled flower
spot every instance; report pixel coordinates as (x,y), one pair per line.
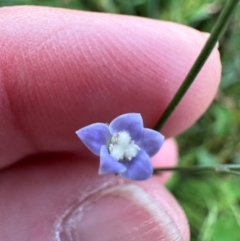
(124,146)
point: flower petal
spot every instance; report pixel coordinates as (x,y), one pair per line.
(94,136)
(151,141)
(139,168)
(132,123)
(108,164)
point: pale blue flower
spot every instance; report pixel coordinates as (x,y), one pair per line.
(124,146)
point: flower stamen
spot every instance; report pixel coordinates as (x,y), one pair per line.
(122,147)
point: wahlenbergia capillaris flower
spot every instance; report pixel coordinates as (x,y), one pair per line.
(124,146)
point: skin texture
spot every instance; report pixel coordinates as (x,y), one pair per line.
(61,70)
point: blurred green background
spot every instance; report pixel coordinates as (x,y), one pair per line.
(210,200)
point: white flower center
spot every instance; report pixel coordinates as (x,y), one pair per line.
(122,147)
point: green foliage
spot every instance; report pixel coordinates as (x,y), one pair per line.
(74,4)
(211,201)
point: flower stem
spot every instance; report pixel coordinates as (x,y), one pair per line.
(216,33)
(224,168)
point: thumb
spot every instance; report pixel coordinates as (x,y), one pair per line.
(61,198)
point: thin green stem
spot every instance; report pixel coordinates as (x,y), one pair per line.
(216,33)
(224,168)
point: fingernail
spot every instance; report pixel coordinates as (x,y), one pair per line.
(121,213)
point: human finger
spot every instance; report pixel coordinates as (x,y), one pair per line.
(167,156)
(60,198)
(61,70)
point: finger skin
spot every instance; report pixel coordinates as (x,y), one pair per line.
(166,157)
(61,70)
(54,197)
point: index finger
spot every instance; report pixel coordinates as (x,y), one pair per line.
(61,70)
